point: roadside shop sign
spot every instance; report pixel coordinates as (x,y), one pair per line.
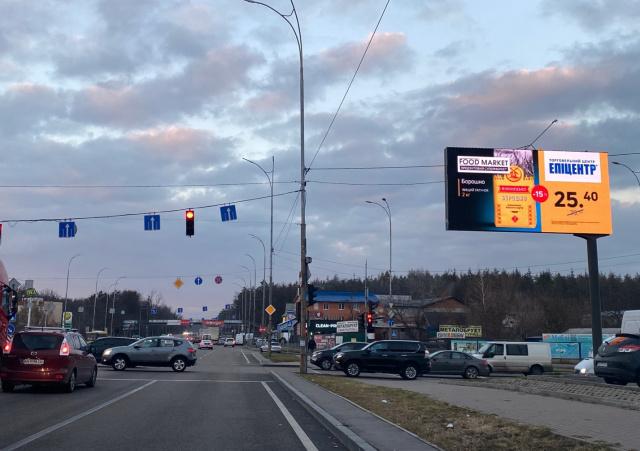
(527,190)
(455,335)
(468,331)
(346,326)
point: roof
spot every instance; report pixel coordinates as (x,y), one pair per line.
(344,296)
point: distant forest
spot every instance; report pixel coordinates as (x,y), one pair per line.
(506,304)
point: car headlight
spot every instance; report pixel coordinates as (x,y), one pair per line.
(107,352)
(339,356)
(583,371)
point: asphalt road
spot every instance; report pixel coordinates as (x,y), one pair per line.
(226,402)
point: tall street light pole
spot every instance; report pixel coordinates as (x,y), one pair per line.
(270,234)
(253,293)
(95,299)
(248,307)
(264,277)
(66,290)
(387,210)
(303,195)
(244,301)
(113,302)
(635,174)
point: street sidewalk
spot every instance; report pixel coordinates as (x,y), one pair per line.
(266,362)
(345,419)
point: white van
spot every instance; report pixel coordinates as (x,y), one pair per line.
(631,322)
(516,357)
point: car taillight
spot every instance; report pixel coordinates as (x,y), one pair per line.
(629,348)
(64,348)
(191,350)
(6,349)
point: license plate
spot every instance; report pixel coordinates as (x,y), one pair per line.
(32,362)
(602,364)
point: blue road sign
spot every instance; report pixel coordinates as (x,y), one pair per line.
(67,229)
(179,309)
(204,308)
(227,306)
(11,329)
(154,311)
(390,322)
(198,280)
(12,317)
(228,213)
(152,222)
(394,333)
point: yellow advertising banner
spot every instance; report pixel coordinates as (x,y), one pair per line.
(575,189)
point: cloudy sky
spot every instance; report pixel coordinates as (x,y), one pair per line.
(97,97)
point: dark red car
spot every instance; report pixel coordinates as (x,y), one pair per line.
(47,356)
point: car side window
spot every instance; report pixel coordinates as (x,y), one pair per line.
(166,343)
(457,356)
(517,350)
(379,347)
(149,343)
(497,349)
(446,355)
(177,342)
(83,344)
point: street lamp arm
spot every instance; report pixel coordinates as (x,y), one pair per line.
(285,17)
(259,167)
(635,174)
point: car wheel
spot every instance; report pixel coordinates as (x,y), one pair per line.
(352,369)
(120,363)
(70,385)
(326,364)
(409,372)
(92,380)
(471,373)
(178,364)
(536,370)
(7,387)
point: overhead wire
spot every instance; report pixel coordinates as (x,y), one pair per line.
(335,115)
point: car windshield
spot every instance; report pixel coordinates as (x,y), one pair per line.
(484,348)
(436,354)
(37,342)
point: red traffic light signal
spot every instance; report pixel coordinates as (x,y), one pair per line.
(369,319)
(190,217)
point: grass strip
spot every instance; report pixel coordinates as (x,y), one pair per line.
(430,419)
(276,357)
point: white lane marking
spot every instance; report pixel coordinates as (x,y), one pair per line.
(245,357)
(187,380)
(304,438)
(68,421)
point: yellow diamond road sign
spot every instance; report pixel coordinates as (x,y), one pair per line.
(178,283)
(270,310)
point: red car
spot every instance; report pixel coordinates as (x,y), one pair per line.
(47,356)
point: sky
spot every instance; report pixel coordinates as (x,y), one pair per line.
(117,107)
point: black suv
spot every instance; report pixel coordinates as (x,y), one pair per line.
(403,357)
(618,360)
(324,358)
(98,346)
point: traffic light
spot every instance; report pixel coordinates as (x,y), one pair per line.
(370,322)
(312,291)
(190,217)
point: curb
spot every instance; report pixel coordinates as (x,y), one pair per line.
(346,436)
(267,363)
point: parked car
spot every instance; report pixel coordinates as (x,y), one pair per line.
(152,351)
(324,358)
(618,360)
(47,356)
(458,363)
(516,357)
(205,344)
(584,367)
(229,342)
(404,357)
(98,346)
(275,347)
(221,341)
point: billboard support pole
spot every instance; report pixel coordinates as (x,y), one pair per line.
(594,289)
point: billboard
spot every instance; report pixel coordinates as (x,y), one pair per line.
(527,190)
